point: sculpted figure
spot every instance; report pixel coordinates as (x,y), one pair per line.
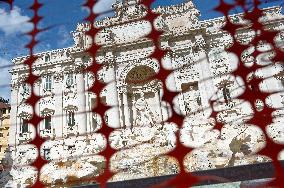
(143,117)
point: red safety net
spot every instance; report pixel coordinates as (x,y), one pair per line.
(252,92)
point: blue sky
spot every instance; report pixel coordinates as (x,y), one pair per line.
(62,16)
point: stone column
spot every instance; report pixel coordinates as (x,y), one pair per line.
(37,111)
(206,88)
(57,120)
(13,118)
(126,109)
(121,110)
(129,106)
(81,116)
(160,105)
(133,108)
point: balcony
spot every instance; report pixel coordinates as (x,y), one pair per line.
(24,137)
(72,130)
(70,91)
(47,133)
(48,92)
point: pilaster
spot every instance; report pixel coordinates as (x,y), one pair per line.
(81,116)
(13,117)
(57,120)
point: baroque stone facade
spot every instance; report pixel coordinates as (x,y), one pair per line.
(197,52)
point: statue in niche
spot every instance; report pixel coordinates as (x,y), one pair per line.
(191,96)
(78,39)
(144,115)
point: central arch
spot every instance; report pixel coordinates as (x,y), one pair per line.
(140,75)
(143,97)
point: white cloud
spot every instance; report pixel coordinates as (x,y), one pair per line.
(65,37)
(5,78)
(42,47)
(12,22)
(103,5)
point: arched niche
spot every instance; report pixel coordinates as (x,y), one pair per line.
(136,65)
(140,75)
(140,103)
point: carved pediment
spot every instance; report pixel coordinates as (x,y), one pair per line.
(47,112)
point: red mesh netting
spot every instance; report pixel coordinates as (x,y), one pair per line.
(251,91)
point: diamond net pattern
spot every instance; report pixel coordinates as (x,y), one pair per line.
(251,88)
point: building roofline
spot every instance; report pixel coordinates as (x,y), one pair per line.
(4,105)
(39,54)
(239,14)
(209,21)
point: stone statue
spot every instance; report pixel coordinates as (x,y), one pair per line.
(144,116)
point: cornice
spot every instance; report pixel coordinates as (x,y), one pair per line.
(180,8)
(201,29)
(235,18)
(19,60)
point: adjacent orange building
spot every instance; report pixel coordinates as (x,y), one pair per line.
(4,128)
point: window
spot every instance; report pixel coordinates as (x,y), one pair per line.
(71,149)
(94,121)
(70,80)
(47,122)
(85,59)
(106,118)
(46,153)
(24,126)
(1,135)
(25,90)
(198,100)
(71,119)
(22,153)
(190,86)
(48,83)
(103,99)
(216,54)
(47,58)
(226,94)
(282,81)
(93,103)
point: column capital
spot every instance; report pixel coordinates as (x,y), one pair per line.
(15,85)
(81,62)
(58,76)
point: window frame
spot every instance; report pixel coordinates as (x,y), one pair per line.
(46,153)
(47,118)
(48,83)
(47,58)
(94,121)
(25,90)
(282,82)
(226,94)
(71,119)
(24,126)
(70,80)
